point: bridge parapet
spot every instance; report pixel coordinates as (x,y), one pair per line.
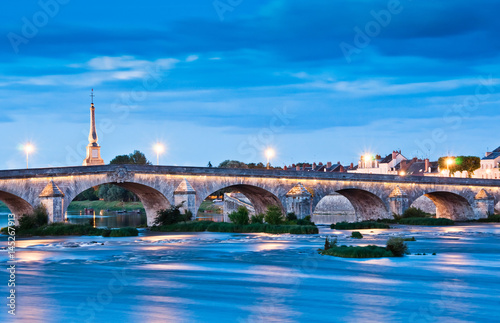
(372,196)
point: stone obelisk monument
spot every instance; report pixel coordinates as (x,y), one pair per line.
(93,149)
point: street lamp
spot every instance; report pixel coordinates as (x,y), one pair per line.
(28,148)
(449,161)
(269,154)
(159,149)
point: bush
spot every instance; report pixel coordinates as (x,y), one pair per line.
(492,218)
(426,221)
(259,218)
(359,225)
(409,239)
(274,215)
(169,216)
(239,217)
(124,232)
(305,221)
(397,246)
(356,235)
(291,217)
(357,252)
(330,243)
(188,216)
(60,229)
(210,226)
(197,226)
(38,218)
(413,212)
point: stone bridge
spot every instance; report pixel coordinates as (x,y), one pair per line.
(158,187)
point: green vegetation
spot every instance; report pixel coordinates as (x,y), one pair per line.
(35,224)
(291,217)
(492,218)
(358,252)
(208,205)
(122,232)
(171,215)
(38,219)
(237,164)
(274,215)
(58,229)
(65,229)
(258,218)
(103,205)
(426,221)
(409,239)
(468,164)
(396,247)
(135,158)
(412,216)
(359,225)
(200,226)
(414,212)
(356,235)
(240,216)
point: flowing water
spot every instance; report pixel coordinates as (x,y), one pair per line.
(220,277)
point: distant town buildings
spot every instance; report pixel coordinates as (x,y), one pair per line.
(489,166)
(370,164)
(320,167)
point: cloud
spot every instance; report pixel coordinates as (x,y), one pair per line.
(192,58)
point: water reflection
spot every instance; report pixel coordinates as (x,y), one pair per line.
(108,219)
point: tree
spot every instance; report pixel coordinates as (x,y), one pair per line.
(38,218)
(170,216)
(467,164)
(274,215)
(239,217)
(88,195)
(136,158)
(232,164)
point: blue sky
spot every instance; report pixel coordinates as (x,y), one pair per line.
(317,80)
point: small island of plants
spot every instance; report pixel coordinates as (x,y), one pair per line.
(412,216)
(273,221)
(396,247)
(36,224)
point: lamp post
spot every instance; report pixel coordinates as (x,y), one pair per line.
(28,148)
(159,149)
(269,154)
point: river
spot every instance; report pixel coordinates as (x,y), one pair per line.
(220,277)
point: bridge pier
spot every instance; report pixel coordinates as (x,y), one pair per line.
(52,198)
(185,195)
(484,204)
(299,201)
(398,201)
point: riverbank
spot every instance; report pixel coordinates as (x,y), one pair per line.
(105,205)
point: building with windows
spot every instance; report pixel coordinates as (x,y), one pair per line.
(489,166)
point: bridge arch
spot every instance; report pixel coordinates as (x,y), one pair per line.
(17,205)
(333,208)
(260,197)
(367,205)
(152,199)
(450,205)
